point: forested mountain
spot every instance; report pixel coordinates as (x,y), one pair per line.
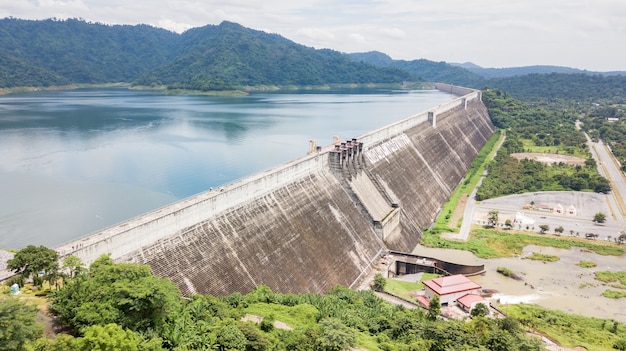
(228,55)
(427,70)
(575,86)
(56,52)
(520,71)
(15,72)
(563,86)
(75,51)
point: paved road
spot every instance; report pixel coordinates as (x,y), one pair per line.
(586,204)
(609,168)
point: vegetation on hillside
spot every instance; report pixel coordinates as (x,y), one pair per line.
(571,330)
(59,52)
(226,56)
(528,127)
(123,307)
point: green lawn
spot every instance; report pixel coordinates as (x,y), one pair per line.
(404,289)
(472,177)
(495,243)
(529,146)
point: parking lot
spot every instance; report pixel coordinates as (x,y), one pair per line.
(542,208)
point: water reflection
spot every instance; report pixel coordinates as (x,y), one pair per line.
(75,161)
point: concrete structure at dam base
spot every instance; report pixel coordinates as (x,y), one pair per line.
(313,223)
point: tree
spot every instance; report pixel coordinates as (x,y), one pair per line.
(543,228)
(508,224)
(112,337)
(559,230)
(123,293)
(480,310)
(599,217)
(492,218)
(334,335)
(17,324)
(230,338)
(73,266)
(33,260)
(434,308)
(379,282)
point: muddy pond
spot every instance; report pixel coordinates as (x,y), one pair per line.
(561,285)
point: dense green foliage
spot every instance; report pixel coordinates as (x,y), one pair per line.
(100,338)
(17,324)
(554,86)
(427,70)
(229,55)
(535,69)
(59,52)
(39,262)
(538,127)
(56,52)
(123,307)
(125,294)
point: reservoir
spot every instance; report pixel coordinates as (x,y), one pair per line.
(73,162)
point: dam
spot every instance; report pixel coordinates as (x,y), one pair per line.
(315,222)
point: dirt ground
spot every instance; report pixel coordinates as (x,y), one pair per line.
(550,158)
(458,211)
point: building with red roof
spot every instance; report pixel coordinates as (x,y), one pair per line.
(450,288)
(469,301)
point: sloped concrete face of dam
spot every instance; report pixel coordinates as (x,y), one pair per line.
(311,224)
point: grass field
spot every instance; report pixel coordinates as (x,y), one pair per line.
(404,289)
(494,243)
(471,180)
(529,146)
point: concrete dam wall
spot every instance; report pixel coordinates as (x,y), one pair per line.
(313,223)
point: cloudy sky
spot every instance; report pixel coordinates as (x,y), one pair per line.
(585,34)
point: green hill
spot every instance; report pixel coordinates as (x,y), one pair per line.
(205,58)
(82,52)
(427,70)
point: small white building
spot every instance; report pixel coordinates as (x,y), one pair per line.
(571,211)
(558,209)
(521,218)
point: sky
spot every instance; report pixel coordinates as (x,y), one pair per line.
(584,34)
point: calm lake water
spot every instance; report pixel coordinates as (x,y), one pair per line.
(73,162)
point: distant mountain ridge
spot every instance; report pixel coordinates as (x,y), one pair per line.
(229,56)
(213,57)
(535,69)
(533,82)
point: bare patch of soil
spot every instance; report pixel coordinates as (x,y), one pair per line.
(259,319)
(550,158)
(458,211)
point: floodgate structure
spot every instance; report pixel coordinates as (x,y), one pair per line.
(313,223)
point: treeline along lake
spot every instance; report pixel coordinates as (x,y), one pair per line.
(73,162)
